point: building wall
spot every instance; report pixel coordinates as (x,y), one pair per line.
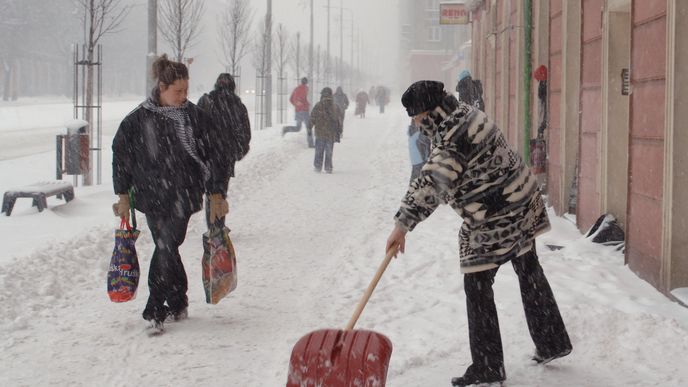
(514,75)
(426,55)
(676,211)
(646,144)
(588,208)
(554,133)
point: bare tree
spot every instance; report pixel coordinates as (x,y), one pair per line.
(281,58)
(281,48)
(101,17)
(235,24)
(261,63)
(260,48)
(299,58)
(179,24)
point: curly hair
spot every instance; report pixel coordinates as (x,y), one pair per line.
(167,71)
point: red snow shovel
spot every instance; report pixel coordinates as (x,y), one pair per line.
(343,358)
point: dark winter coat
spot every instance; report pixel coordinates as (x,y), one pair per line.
(471,92)
(148,155)
(230,116)
(472,168)
(341,100)
(326,118)
(382,96)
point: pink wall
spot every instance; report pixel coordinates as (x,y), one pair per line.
(498,73)
(514,76)
(553,133)
(591,114)
(646,153)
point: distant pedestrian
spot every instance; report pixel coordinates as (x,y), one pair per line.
(382,97)
(230,116)
(169,153)
(372,93)
(361,103)
(419,150)
(470,90)
(328,126)
(299,98)
(342,102)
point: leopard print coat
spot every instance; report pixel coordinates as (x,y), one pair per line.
(472,168)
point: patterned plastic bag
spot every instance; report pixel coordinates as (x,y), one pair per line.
(123,274)
(218,264)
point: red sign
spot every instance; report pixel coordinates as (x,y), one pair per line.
(453,13)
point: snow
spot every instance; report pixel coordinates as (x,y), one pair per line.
(307,245)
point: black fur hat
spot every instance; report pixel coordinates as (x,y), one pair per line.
(422,96)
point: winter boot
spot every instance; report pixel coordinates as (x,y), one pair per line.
(544,359)
(179,315)
(475,375)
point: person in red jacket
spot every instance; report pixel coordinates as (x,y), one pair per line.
(299,98)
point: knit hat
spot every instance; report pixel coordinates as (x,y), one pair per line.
(464,74)
(422,96)
(304,81)
(326,92)
(540,73)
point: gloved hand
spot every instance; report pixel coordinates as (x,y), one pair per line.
(122,208)
(219,207)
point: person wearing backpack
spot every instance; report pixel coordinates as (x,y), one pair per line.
(230,116)
(470,90)
(326,118)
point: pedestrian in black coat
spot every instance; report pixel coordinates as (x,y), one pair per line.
(470,90)
(169,153)
(230,116)
(341,100)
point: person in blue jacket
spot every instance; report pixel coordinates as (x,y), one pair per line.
(419,150)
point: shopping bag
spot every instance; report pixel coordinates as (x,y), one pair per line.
(218,264)
(123,274)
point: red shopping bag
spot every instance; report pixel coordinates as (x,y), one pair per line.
(218,264)
(123,273)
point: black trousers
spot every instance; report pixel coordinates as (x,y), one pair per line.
(166,277)
(542,313)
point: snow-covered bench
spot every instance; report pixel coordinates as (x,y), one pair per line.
(39,192)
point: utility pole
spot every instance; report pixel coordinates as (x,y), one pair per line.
(268,87)
(341,42)
(310,59)
(152,43)
(327,57)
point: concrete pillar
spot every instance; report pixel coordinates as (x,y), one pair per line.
(570,101)
(616,56)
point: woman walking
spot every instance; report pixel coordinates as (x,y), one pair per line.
(168,153)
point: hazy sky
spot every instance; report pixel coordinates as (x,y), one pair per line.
(377,22)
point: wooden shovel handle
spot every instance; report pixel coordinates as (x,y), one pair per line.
(366,296)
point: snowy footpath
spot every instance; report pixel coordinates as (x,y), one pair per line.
(307,245)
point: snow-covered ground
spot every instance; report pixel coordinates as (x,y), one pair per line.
(307,245)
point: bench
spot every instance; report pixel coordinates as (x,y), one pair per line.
(39,192)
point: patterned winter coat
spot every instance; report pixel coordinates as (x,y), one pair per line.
(326,118)
(472,168)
